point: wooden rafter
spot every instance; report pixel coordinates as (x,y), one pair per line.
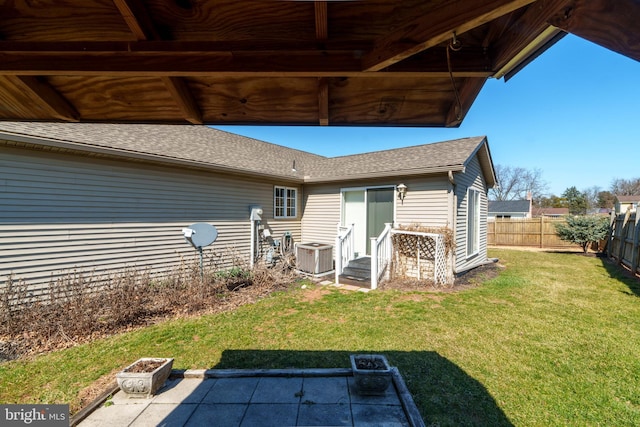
(137,19)
(322,33)
(184,98)
(323,102)
(518,36)
(322,30)
(48,97)
(603,23)
(141,25)
(434,28)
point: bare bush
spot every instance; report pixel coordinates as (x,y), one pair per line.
(79,308)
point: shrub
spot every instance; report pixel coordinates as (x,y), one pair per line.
(80,307)
(583,230)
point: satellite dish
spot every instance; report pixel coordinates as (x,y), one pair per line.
(200,234)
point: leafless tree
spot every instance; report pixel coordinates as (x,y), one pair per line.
(515,183)
(625,187)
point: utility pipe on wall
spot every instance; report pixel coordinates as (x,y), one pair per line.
(255,217)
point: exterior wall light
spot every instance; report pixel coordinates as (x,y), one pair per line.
(402,192)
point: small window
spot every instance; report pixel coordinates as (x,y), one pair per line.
(285,202)
(473,222)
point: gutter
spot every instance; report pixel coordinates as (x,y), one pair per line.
(386,174)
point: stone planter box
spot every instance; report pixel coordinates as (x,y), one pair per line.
(372,374)
(138,380)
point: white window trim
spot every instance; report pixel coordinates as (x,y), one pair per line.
(471,252)
(285,202)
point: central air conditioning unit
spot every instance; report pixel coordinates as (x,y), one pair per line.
(314,258)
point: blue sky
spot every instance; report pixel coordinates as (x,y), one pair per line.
(574,113)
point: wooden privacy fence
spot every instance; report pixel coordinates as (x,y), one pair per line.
(537,232)
(623,241)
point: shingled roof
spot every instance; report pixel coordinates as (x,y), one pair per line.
(509,206)
(205,147)
(628,198)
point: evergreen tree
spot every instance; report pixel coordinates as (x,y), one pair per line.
(576,201)
(583,230)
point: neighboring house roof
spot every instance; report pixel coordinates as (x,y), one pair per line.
(202,146)
(509,206)
(550,211)
(628,199)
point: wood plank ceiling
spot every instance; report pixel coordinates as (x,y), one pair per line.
(361,62)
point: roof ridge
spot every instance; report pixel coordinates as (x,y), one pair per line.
(431,144)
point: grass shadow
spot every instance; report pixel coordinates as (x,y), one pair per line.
(444,393)
(622,274)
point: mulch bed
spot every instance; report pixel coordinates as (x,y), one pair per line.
(469,279)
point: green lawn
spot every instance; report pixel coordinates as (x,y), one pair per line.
(554,340)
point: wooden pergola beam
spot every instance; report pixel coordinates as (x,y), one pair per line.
(48,97)
(178,47)
(435,27)
(195,65)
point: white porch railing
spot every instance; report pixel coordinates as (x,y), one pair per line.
(380,255)
(344,249)
(434,245)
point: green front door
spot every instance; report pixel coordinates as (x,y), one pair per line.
(379,211)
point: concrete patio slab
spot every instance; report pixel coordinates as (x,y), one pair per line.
(246,398)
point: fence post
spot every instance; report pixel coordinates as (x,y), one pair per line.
(541,231)
(634,248)
(613,222)
(623,236)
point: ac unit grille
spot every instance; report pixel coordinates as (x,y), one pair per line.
(314,258)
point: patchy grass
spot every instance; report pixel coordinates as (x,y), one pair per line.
(553,340)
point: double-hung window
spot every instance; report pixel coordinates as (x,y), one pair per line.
(473,222)
(284,202)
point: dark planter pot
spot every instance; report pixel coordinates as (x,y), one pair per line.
(372,374)
(144,384)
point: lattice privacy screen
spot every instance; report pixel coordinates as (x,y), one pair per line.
(413,250)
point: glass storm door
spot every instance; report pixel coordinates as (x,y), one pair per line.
(368,209)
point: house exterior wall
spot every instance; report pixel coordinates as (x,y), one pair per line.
(623,207)
(427,203)
(64,213)
(471,178)
(321,207)
(511,215)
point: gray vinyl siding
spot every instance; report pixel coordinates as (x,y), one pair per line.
(64,213)
(471,178)
(321,213)
(426,203)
